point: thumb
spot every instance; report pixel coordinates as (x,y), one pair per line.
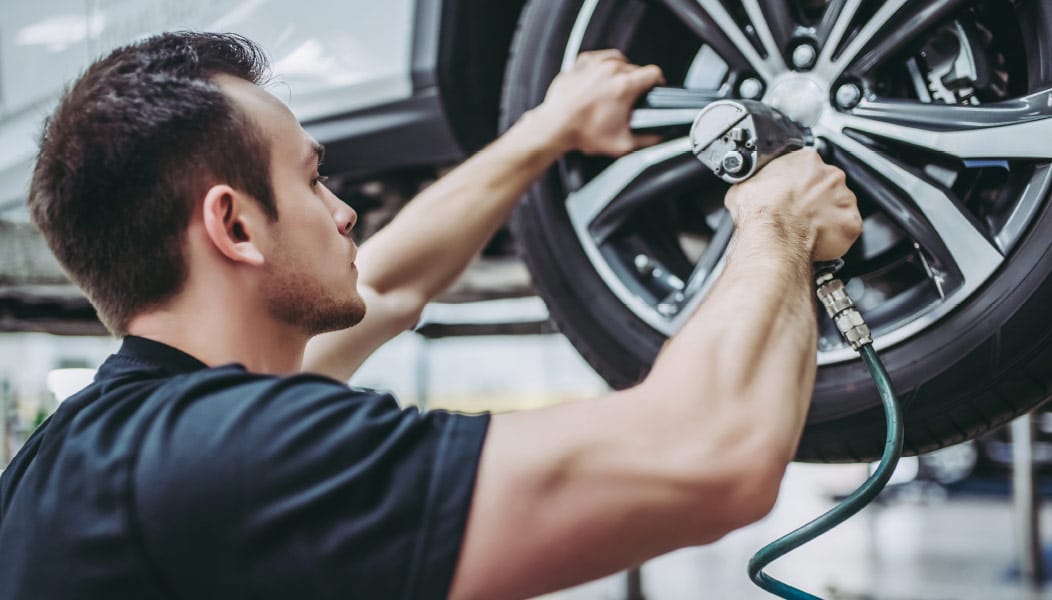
(629,142)
(644,78)
(643,140)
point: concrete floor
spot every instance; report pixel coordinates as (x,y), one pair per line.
(918,545)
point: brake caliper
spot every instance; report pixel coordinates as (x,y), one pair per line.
(957,66)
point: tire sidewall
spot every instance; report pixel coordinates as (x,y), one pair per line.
(948,375)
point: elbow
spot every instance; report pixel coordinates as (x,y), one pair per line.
(727,460)
(746,487)
(408,314)
(755,492)
(401,310)
(755,450)
(762,481)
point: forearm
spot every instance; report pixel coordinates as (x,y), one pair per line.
(710,431)
(700,446)
(434,238)
(749,353)
(437,235)
(693,452)
(750,349)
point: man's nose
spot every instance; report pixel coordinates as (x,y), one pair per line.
(345,218)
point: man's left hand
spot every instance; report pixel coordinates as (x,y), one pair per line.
(591,104)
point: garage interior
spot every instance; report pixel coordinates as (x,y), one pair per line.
(966,521)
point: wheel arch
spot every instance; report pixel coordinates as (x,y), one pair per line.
(474,40)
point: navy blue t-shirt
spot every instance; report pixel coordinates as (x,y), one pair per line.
(168,479)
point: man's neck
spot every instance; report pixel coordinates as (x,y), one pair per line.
(217,337)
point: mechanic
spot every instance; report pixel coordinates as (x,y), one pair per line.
(219,455)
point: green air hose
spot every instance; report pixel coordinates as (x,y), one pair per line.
(841,309)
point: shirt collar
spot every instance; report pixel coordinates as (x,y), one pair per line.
(170,359)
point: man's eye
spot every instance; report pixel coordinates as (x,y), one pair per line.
(319,179)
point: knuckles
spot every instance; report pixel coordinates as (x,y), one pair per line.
(621,87)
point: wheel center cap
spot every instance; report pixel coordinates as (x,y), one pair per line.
(799,98)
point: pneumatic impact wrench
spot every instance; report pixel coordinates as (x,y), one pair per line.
(735,139)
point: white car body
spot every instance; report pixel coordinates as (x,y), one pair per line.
(327,57)
(396,90)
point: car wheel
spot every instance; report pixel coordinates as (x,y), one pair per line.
(939,112)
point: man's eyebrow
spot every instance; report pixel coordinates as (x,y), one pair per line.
(317,155)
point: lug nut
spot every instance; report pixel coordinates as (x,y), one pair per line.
(666,310)
(750,89)
(848,95)
(804,56)
(643,264)
(733,162)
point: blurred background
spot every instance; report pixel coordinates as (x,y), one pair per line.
(400,91)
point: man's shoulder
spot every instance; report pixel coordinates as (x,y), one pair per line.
(233,383)
(209,417)
(220,389)
(273,461)
(222,437)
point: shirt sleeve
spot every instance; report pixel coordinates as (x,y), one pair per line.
(302,487)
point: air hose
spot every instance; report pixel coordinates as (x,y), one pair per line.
(851,325)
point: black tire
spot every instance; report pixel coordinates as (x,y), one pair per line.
(979,366)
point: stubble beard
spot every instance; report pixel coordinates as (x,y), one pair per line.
(294,297)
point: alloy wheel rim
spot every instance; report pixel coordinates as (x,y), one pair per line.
(873,137)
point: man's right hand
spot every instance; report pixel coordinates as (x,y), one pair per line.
(699,447)
(804,197)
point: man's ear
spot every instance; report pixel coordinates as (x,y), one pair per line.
(231,219)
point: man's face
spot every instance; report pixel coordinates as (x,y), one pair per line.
(310,280)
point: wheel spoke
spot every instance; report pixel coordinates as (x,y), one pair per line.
(779,22)
(830,67)
(1012,130)
(922,16)
(589,202)
(758,11)
(707,264)
(651,118)
(585,204)
(717,28)
(842,13)
(830,19)
(972,255)
(675,97)
(766,68)
(669,176)
(705,274)
(668,106)
(942,117)
(897,207)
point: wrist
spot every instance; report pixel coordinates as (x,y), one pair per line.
(552,129)
(777,230)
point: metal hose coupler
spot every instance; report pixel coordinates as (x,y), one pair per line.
(841,309)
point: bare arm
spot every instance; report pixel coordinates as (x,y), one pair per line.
(434,238)
(696,450)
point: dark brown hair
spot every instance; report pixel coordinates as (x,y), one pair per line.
(132,145)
